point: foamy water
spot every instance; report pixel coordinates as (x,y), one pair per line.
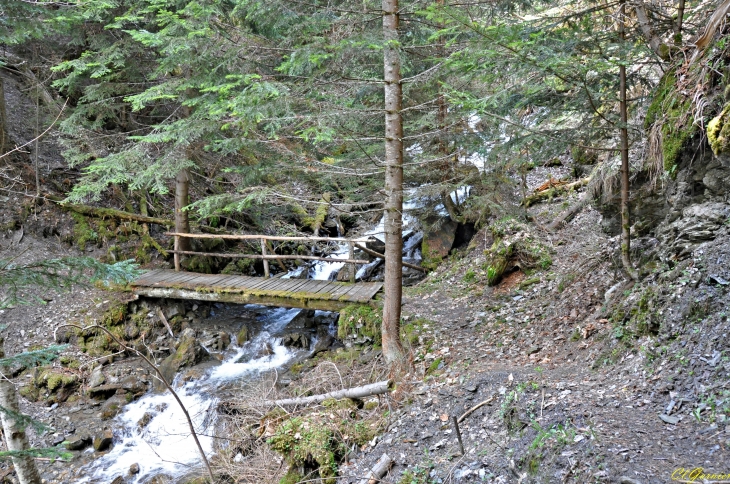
(165,444)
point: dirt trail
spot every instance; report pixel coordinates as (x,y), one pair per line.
(570,401)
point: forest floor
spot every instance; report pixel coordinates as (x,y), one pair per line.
(575,393)
(569,401)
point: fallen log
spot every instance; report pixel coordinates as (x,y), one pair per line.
(566,216)
(381,256)
(357,392)
(551,192)
(112,213)
(378,471)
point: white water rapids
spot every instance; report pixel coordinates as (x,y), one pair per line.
(164,445)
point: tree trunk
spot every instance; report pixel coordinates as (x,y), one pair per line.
(15,437)
(4,137)
(182,199)
(679,24)
(393,221)
(645,25)
(624,135)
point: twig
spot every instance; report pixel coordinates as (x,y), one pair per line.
(342,382)
(458,433)
(37,137)
(164,321)
(379,470)
(542,403)
(161,377)
(474,408)
(101,358)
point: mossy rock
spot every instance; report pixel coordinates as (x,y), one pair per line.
(302,441)
(201,264)
(672,109)
(718,132)
(243,335)
(189,352)
(30,392)
(83,232)
(241,266)
(59,384)
(514,245)
(292,477)
(360,320)
(114,315)
(582,156)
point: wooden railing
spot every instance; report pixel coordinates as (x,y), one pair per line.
(265,247)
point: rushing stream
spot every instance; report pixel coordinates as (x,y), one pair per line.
(164,444)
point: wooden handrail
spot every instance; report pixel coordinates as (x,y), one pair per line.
(268,257)
(264,255)
(264,237)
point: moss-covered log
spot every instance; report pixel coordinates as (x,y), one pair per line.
(112,213)
(551,192)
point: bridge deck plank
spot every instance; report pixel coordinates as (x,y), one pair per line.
(244,289)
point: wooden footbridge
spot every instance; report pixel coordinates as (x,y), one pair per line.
(293,293)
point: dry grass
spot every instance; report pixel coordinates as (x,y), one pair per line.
(251,419)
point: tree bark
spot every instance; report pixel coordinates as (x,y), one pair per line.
(680,21)
(357,392)
(182,199)
(4,137)
(645,25)
(624,135)
(393,220)
(15,436)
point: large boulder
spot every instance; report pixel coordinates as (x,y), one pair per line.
(439,234)
(189,352)
(296,340)
(698,223)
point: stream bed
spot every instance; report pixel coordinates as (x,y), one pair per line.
(152,436)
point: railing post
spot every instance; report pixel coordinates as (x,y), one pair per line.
(353,266)
(176,256)
(266,261)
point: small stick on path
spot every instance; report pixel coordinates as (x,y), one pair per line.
(458,434)
(378,471)
(474,408)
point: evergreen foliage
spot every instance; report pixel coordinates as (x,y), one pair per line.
(57,274)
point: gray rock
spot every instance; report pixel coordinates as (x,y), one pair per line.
(296,340)
(628,480)
(78,443)
(97,378)
(439,235)
(189,352)
(323,343)
(134,469)
(102,392)
(104,441)
(669,420)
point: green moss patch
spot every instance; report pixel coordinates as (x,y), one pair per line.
(718,132)
(672,110)
(318,441)
(513,245)
(360,321)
